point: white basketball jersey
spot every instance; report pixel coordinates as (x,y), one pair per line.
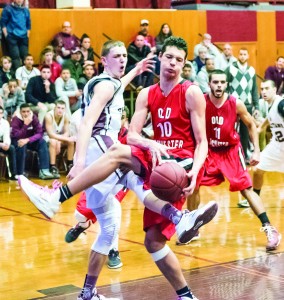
(276,121)
(109,122)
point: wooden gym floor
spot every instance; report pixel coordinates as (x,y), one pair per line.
(228,262)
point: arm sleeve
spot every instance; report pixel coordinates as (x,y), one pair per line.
(20,97)
(37,129)
(6,135)
(29,93)
(51,96)
(254,93)
(5,17)
(28,24)
(19,130)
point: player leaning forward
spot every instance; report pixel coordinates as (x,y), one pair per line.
(178,111)
(225,156)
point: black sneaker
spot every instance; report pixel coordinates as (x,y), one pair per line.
(13,177)
(55,172)
(74,232)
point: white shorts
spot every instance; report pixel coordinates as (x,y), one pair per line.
(97,194)
(272,158)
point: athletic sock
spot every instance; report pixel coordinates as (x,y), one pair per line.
(171,213)
(90,282)
(65,193)
(263,219)
(257,191)
(185,292)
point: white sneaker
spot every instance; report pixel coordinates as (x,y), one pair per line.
(187,298)
(46,200)
(87,294)
(191,221)
(243,203)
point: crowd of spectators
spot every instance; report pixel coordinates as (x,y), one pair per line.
(37,101)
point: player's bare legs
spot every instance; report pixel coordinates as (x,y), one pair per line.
(254,200)
(166,261)
(258,180)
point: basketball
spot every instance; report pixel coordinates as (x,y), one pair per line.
(168,180)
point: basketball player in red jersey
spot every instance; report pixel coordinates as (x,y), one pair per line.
(225,155)
(175,129)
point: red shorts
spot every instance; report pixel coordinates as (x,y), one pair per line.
(227,163)
(88,213)
(151,218)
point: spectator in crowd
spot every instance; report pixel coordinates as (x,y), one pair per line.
(16,26)
(137,51)
(242,84)
(88,73)
(164,33)
(88,55)
(47,58)
(6,72)
(12,97)
(26,72)
(40,93)
(202,77)
(56,134)
(5,145)
(149,40)
(64,41)
(276,73)
(188,71)
(73,64)
(199,61)
(225,59)
(67,90)
(27,133)
(213,51)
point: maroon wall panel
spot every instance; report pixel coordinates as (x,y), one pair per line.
(42,3)
(279,26)
(233,26)
(131,3)
(104,3)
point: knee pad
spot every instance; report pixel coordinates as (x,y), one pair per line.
(135,183)
(158,255)
(109,218)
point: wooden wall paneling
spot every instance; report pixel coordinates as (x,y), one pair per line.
(266,41)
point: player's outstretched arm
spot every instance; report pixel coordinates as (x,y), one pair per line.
(196,105)
(247,119)
(146,64)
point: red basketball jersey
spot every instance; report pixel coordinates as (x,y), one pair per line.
(171,122)
(221,122)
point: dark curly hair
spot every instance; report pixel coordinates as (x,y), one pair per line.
(175,41)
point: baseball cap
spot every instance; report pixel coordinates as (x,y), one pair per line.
(75,50)
(144,21)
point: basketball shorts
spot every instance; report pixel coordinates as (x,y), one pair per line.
(184,158)
(226,163)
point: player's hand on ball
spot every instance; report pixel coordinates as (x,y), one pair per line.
(157,151)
